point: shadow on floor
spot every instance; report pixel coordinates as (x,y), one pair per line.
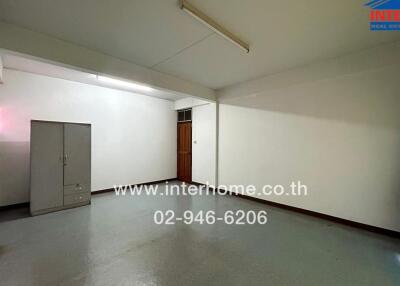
(18,212)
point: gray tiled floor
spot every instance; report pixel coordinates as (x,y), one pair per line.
(115,242)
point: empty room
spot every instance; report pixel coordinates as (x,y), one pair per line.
(200,142)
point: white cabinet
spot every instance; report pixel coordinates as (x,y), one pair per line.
(60,166)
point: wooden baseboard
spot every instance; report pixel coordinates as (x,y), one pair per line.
(367,227)
(147,183)
(375,229)
(26,204)
(198,184)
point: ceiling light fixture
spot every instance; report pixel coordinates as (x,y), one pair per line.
(199,15)
(124,84)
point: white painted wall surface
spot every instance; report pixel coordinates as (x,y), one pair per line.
(133,136)
(334,125)
(204,143)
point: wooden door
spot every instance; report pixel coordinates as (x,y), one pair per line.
(185,151)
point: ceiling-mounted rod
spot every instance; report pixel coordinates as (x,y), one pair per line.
(189,8)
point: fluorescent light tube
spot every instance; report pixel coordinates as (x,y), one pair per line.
(123,84)
(203,18)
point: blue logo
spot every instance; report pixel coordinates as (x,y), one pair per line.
(384,4)
(384,15)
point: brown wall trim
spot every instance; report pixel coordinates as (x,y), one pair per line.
(147,183)
(199,184)
(26,205)
(375,229)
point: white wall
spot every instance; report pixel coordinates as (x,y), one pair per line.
(204,143)
(133,136)
(334,125)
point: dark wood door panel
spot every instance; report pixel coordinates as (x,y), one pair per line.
(185,152)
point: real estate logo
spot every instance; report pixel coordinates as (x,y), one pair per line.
(384,15)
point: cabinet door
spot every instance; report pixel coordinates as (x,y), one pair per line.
(77,148)
(46,165)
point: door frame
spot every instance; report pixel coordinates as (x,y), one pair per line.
(191,145)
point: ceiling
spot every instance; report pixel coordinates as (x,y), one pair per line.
(19,63)
(158,35)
